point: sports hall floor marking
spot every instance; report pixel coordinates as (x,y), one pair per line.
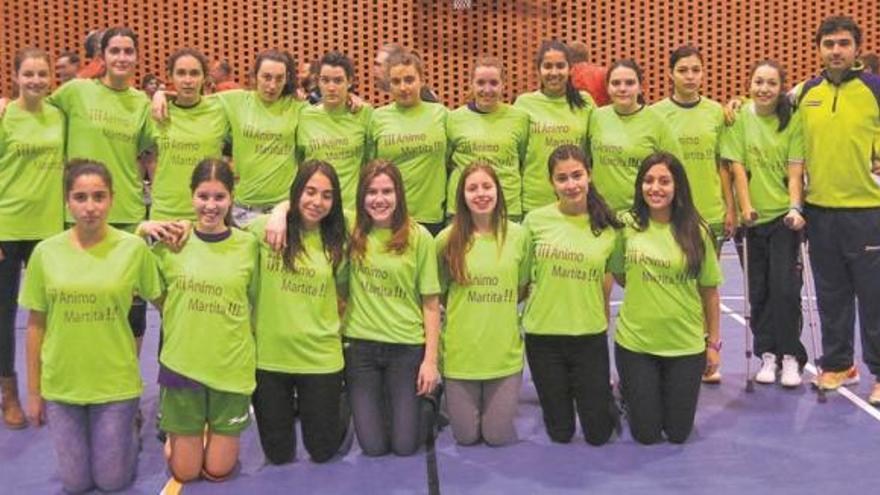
(855,399)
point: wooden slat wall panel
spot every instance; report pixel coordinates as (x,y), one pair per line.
(732,34)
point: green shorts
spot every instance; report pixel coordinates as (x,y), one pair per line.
(185,411)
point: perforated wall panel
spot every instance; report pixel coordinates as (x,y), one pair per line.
(732,33)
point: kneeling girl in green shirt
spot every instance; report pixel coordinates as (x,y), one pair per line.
(81,353)
(484,260)
(208,353)
(572,241)
(299,346)
(667,330)
(392,319)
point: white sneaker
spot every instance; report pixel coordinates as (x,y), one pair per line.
(791,373)
(767,373)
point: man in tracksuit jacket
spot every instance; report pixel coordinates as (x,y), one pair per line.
(841,124)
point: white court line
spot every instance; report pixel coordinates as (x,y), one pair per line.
(855,399)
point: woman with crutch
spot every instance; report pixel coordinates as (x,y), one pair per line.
(766,153)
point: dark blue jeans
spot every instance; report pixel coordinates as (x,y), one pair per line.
(381,379)
(15,256)
(96,444)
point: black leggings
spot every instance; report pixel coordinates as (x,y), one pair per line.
(15,255)
(660,393)
(315,398)
(571,373)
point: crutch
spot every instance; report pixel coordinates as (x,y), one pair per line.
(811,318)
(747,311)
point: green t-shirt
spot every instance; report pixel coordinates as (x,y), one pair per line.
(89,355)
(415,140)
(662,311)
(619,143)
(500,138)
(698,129)
(31,170)
(338,138)
(552,124)
(263,144)
(481,339)
(108,126)
(206,316)
(841,132)
(188,136)
(296,315)
(568,264)
(766,154)
(386,289)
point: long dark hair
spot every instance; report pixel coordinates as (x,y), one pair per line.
(400,220)
(601,216)
(784,107)
(572,95)
(332,227)
(688,227)
(215,169)
(461,235)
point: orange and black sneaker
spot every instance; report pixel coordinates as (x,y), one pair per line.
(874,398)
(832,380)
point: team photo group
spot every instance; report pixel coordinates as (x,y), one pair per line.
(326,266)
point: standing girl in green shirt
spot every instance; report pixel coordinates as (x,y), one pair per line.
(572,242)
(83,372)
(31,206)
(411,133)
(624,133)
(697,123)
(558,114)
(195,130)
(765,147)
(488,129)
(484,262)
(392,319)
(667,330)
(106,121)
(299,346)
(329,131)
(207,361)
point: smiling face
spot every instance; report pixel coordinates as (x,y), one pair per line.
(120,58)
(33,78)
(765,86)
(624,89)
(89,201)
(658,188)
(188,77)
(687,77)
(271,78)
(333,83)
(405,85)
(487,87)
(211,202)
(316,200)
(554,72)
(480,193)
(571,182)
(380,200)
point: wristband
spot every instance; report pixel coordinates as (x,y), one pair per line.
(716,346)
(797,208)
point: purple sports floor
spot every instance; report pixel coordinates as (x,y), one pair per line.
(772,440)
